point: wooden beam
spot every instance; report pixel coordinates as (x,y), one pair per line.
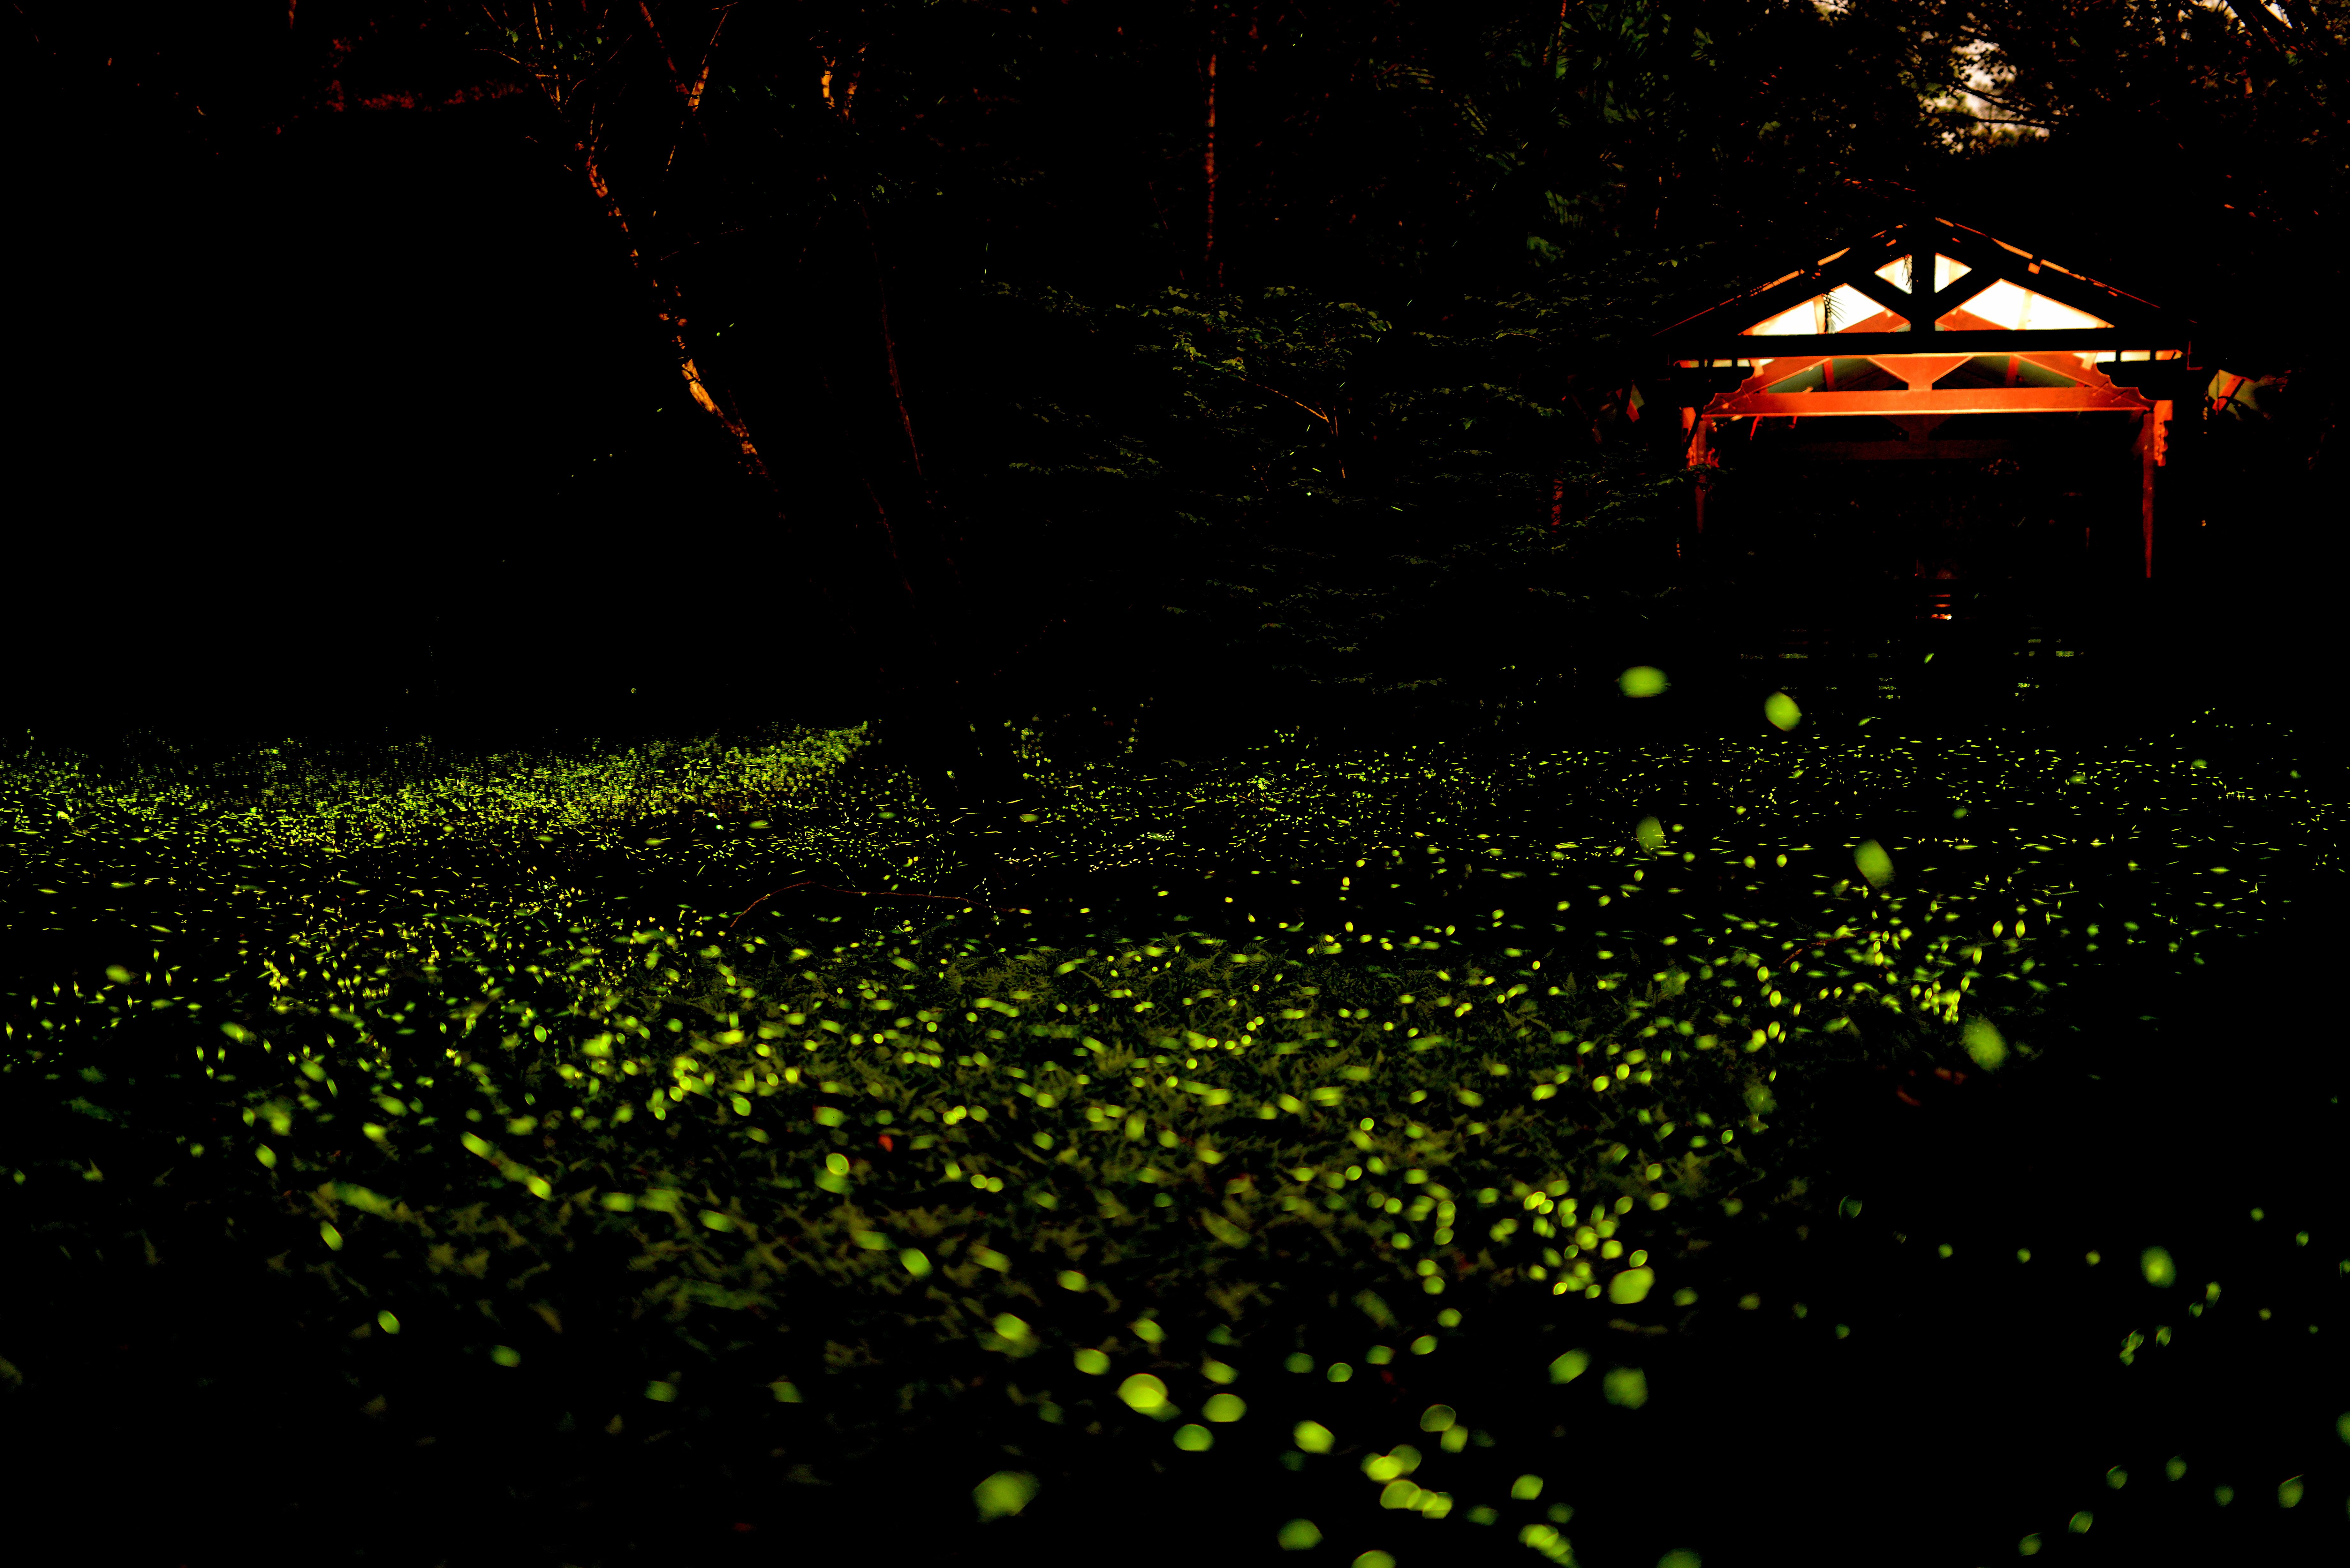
(2066,365)
(1896,304)
(1995,340)
(2125,311)
(1919,371)
(1742,311)
(1958,400)
(2136,323)
(1960,290)
(1930,307)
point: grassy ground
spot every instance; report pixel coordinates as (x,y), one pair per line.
(1375,1157)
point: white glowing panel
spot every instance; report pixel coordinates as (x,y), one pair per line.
(1946,272)
(1841,307)
(1789,322)
(2022,310)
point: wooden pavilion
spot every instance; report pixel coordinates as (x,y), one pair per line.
(1912,335)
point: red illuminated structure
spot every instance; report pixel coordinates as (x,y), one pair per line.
(1916,326)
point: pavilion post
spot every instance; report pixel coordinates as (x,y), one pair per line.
(2152,439)
(1700,455)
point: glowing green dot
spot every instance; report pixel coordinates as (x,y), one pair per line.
(1143,1392)
(1642,680)
(1004,1492)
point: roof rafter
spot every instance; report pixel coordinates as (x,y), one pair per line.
(1723,331)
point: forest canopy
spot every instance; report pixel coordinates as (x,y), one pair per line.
(935,357)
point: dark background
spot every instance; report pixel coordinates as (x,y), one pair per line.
(336,393)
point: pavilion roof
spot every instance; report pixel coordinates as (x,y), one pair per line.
(1949,288)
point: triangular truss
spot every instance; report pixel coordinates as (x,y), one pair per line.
(1871,277)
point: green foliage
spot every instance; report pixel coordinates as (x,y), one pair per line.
(1340,504)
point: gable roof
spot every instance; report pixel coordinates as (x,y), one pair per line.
(1976,293)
